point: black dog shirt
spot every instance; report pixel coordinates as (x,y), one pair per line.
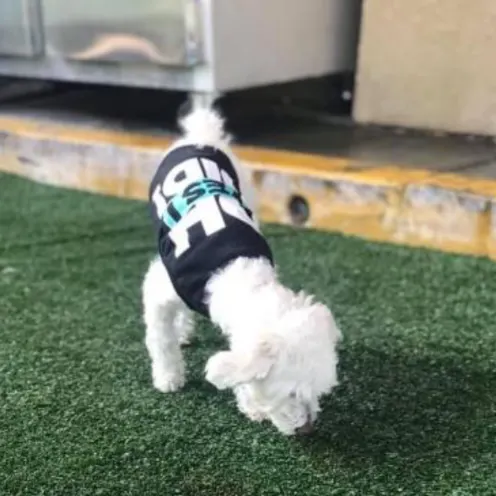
(201,219)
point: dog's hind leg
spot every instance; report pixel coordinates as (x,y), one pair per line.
(162,308)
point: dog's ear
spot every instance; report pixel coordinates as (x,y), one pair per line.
(228,369)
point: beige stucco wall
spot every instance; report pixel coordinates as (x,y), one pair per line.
(428,64)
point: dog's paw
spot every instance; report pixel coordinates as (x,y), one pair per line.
(218,368)
(184,340)
(168,383)
(255,415)
(247,407)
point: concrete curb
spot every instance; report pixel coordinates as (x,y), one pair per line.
(384,202)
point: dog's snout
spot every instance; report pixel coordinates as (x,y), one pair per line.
(305,429)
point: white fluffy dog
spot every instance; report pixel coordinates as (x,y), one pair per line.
(282,345)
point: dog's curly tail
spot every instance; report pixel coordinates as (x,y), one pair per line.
(204,126)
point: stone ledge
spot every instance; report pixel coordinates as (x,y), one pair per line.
(384,203)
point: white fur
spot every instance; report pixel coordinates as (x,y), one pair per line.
(282,345)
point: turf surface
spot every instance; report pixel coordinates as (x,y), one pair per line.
(415,413)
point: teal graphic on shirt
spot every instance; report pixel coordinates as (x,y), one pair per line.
(179,206)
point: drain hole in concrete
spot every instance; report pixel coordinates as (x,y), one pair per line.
(299,210)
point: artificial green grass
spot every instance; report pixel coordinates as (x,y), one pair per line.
(415,413)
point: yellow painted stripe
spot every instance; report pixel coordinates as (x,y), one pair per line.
(68,132)
(258,158)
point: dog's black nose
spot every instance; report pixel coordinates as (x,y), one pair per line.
(305,429)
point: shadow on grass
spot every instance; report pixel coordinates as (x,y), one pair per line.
(415,415)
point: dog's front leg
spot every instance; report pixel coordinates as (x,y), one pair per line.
(162,309)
